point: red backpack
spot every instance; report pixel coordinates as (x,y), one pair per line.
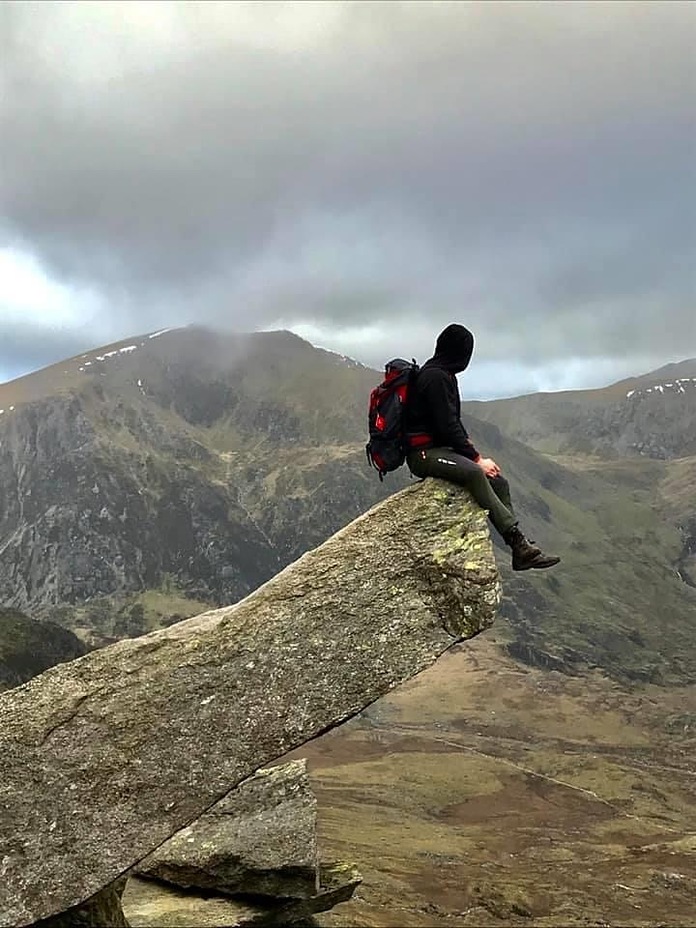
(386,449)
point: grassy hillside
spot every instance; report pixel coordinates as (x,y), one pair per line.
(27,648)
(616,601)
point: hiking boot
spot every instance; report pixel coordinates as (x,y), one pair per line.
(525,554)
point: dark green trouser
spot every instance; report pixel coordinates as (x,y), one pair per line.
(491,493)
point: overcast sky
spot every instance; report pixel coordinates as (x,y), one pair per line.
(361,173)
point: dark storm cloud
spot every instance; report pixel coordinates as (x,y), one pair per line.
(526,168)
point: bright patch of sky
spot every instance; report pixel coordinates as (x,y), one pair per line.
(28,294)
(497,379)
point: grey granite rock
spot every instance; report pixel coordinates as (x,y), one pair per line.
(107,757)
(260,839)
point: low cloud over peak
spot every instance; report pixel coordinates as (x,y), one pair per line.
(526,168)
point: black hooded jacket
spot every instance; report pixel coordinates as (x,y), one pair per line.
(433,418)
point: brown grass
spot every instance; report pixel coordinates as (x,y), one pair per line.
(483,793)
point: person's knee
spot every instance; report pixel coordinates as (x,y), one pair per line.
(499,483)
(417,468)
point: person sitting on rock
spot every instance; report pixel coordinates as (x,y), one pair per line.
(439,445)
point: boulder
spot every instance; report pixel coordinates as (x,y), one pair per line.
(261,839)
(108,756)
(258,845)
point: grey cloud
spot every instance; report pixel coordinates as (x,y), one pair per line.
(527,168)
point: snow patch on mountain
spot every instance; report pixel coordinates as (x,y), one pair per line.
(341,357)
(678,386)
(116,352)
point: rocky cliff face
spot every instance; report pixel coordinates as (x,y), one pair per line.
(83,516)
(131,743)
(193,461)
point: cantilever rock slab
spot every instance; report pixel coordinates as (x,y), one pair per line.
(106,757)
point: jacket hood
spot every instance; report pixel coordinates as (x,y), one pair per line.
(454,348)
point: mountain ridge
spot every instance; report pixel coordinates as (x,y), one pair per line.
(674,369)
(182,474)
(653,415)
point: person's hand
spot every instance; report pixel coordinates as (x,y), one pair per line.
(489,467)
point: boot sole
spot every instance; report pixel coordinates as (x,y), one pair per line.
(538,564)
